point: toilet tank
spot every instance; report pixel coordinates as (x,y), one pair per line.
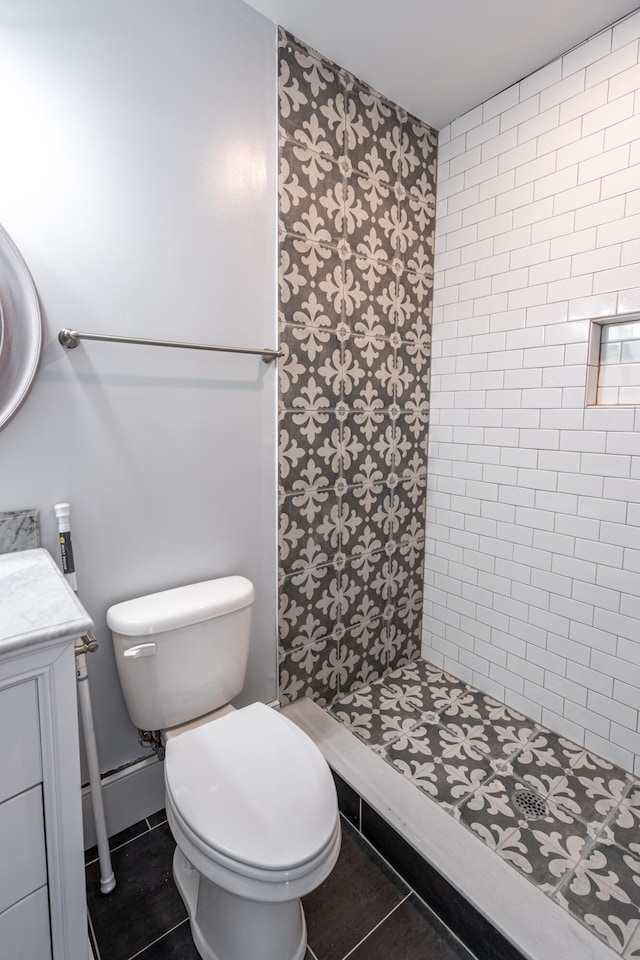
(182,653)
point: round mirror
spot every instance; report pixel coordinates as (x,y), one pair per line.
(20,329)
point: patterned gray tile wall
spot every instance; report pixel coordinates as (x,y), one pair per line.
(356,220)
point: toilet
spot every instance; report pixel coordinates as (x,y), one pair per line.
(250,799)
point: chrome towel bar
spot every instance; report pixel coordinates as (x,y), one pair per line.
(71,339)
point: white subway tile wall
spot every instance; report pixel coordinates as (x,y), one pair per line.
(532,582)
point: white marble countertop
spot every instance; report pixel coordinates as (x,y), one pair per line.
(36,603)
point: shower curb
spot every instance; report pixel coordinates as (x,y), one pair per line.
(394,811)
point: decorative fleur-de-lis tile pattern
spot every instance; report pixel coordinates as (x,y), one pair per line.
(356,226)
(566,819)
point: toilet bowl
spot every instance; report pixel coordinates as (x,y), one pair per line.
(250,799)
(256,825)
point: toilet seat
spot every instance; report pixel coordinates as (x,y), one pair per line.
(253,792)
(243,879)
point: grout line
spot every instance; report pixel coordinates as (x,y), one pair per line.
(158,939)
(559,891)
(379,924)
(389,867)
(313,956)
(412,892)
(589,847)
(127,842)
(93,940)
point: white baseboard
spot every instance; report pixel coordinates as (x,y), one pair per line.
(129,795)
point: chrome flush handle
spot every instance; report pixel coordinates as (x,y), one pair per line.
(141,650)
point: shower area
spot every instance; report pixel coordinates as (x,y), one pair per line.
(485,675)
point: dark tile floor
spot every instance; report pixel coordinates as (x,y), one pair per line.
(565,818)
(363,911)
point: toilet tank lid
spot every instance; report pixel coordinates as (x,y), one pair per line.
(180,607)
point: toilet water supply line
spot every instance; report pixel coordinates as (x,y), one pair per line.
(86,644)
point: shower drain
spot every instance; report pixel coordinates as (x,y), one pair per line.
(530,804)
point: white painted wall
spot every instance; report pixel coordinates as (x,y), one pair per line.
(533,559)
(137,178)
(425,55)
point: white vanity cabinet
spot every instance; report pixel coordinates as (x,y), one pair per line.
(42,892)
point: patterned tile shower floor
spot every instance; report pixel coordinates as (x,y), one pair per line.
(565,818)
